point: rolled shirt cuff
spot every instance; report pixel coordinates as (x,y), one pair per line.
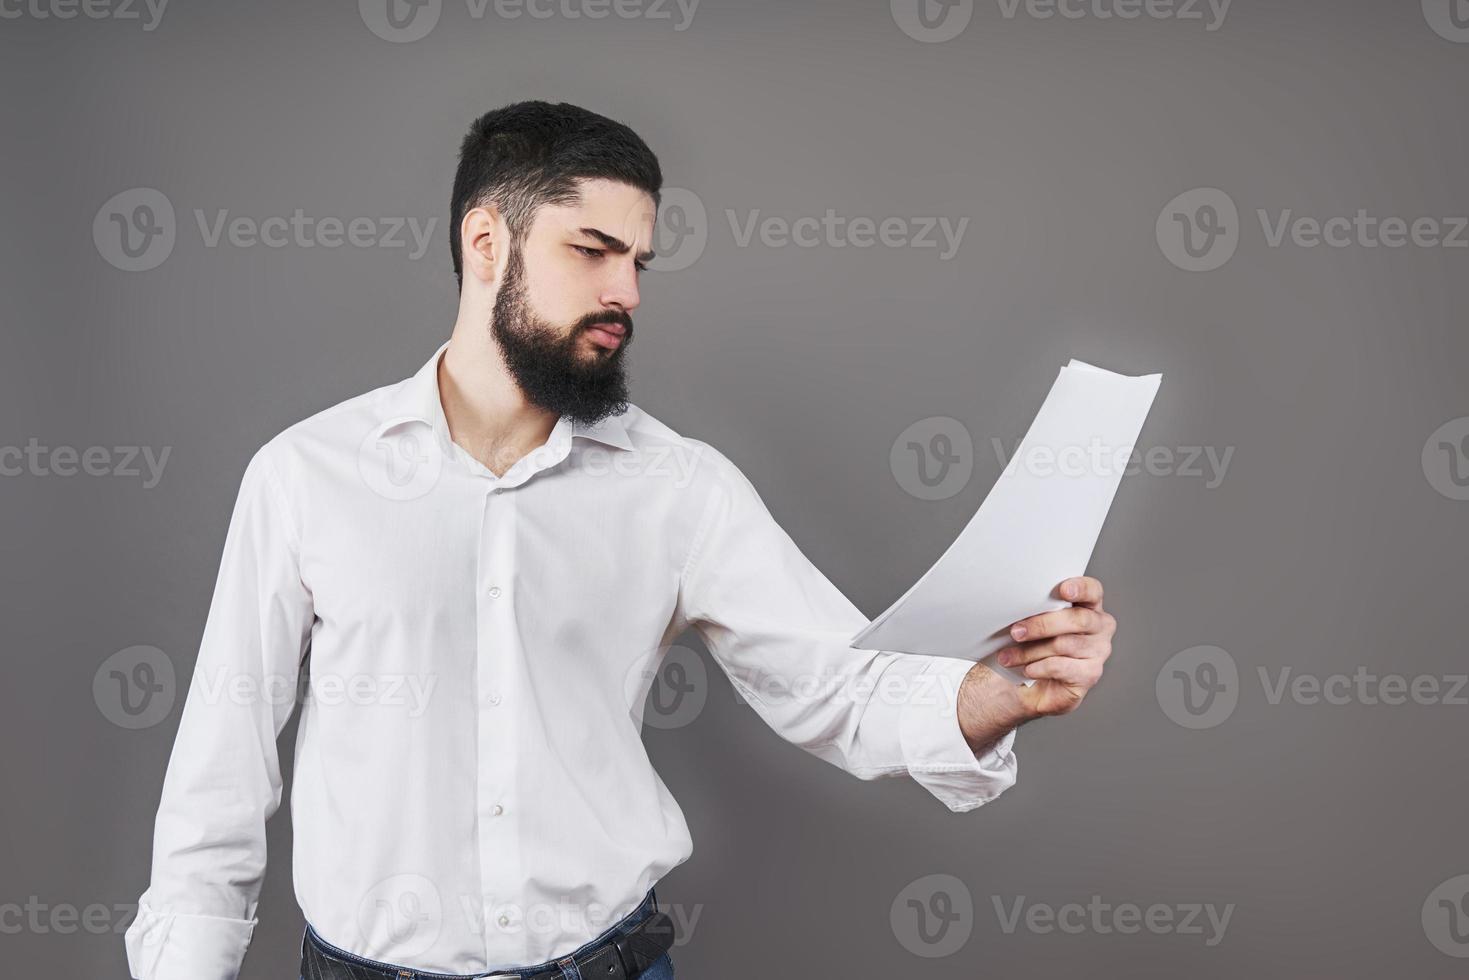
(175,946)
(935,750)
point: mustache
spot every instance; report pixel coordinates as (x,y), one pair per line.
(607,316)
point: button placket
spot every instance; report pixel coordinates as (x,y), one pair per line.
(498,664)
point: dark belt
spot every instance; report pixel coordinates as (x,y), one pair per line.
(623,954)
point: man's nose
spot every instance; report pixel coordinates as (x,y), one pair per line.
(622,288)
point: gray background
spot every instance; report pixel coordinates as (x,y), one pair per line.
(1325,548)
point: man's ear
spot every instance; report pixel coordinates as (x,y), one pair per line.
(484,242)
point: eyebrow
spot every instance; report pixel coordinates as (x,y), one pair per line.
(616,244)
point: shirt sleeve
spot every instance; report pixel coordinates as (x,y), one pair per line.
(779,629)
(223,780)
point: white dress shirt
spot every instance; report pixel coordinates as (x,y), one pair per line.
(471,791)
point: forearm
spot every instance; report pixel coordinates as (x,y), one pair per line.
(988,707)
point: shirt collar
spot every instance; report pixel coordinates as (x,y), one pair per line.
(416,399)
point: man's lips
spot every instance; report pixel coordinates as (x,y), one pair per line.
(607,335)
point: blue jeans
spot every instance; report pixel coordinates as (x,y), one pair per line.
(339,963)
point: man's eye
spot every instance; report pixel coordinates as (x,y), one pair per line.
(597,253)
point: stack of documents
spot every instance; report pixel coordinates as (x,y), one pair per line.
(1037,527)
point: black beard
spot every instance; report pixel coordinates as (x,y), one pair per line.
(550,368)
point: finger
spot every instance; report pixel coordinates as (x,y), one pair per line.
(1076,619)
(1083,646)
(1066,670)
(1082,590)
(1019,655)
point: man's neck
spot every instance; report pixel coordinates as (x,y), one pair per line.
(488,414)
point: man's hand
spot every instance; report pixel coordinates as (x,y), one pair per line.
(1063,650)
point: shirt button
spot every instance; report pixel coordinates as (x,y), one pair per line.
(504,920)
(498,809)
(493,698)
(494,592)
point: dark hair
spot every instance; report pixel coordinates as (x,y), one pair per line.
(527,154)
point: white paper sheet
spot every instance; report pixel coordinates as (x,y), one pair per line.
(1037,527)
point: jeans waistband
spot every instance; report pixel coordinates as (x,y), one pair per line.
(314,949)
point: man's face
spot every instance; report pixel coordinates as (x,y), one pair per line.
(562,313)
